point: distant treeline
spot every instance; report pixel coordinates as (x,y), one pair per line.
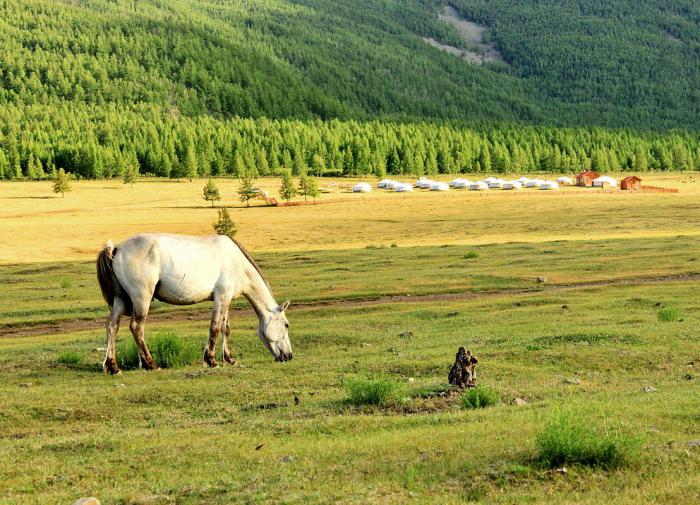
(103,142)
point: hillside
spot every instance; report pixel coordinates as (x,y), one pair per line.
(573,63)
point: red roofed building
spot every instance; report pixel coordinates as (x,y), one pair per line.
(631,182)
(586,178)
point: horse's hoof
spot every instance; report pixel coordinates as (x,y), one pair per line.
(230,360)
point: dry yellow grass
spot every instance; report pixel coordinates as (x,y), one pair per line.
(37,226)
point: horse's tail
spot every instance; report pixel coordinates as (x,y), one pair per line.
(109,284)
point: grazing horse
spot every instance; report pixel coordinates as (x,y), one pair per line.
(184,270)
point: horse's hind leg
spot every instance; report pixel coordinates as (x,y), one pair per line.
(137,327)
(112,327)
(214,330)
(226,333)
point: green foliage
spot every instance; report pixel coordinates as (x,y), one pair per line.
(70,358)
(573,439)
(210,192)
(169,350)
(478,397)
(378,392)
(471,255)
(669,314)
(247,191)
(65,282)
(61,183)
(224,225)
(287,189)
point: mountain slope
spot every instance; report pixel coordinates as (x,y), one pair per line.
(571,63)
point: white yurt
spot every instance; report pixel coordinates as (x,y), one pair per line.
(382,184)
(604,181)
(453,182)
(463,183)
(361,187)
(565,181)
(496,184)
(549,185)
(391,185)
(512,185)
(439,186)
(533,183)
(404,187)
(424,183)
(478,186)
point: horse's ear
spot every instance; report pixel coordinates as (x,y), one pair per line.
(284,306)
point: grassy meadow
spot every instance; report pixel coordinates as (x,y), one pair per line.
(610,340)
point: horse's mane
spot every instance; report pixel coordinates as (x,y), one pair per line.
(252,261)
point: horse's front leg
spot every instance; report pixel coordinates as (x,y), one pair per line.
(214,330)
(226,333)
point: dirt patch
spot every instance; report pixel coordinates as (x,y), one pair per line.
(472,33)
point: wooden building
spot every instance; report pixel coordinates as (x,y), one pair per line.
(586,178)
(631,182)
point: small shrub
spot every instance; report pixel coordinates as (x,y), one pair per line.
(669,314)
(65,282)
(479,397)
(471,255)
(374,392)
(69,358)
(570,439)
(169,350)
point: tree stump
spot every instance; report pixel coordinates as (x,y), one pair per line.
(463,373)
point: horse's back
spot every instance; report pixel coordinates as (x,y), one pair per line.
(174,268)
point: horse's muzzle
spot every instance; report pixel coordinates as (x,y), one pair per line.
(284,356)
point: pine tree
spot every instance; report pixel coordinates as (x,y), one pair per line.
(304,186)
(224,225)
(61,183)
(287,189)
(312,188)
(247,191)
(211,192)
(130,168)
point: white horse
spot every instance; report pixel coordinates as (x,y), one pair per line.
(185,270)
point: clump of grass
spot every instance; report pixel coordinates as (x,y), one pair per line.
(378,392)
(570,439)
(169,350)
(471,255)
(70,358)
(669,314)
(65,282)
(479,397)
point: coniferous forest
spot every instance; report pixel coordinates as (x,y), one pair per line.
(216,87)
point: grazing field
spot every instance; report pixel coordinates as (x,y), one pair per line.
(384,291)
(37,226)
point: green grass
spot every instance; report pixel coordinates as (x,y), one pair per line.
(169,350)
(227,434)
(378,392)
(70,358)
(471,255)
(478,397)
(29,292)
(669,314)
(570,438)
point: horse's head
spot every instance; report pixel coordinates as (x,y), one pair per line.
(274,333)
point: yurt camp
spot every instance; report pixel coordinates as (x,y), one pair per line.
(549,185)
(565,181)
(508,185)
(478,186)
